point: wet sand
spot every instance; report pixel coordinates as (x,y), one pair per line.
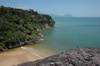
(17,56)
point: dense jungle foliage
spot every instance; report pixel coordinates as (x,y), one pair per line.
(18,26)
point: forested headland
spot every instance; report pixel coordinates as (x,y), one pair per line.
(20,27)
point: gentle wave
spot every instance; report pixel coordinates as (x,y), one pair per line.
(34,53)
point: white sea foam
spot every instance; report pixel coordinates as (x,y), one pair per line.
(37,55)
(26,48)
(34,53)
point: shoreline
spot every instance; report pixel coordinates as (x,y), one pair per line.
(73,57)
(19,55)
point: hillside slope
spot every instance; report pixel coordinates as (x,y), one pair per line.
(19,27)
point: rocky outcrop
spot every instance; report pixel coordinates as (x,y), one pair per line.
(76,57)
(39,37)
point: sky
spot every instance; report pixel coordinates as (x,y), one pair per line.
(77,8)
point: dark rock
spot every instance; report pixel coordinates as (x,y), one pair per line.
(76,57)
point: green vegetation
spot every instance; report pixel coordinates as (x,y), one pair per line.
(19,27)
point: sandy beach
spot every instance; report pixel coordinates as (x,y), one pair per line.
(19,55)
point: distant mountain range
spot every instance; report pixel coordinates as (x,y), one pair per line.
(67,15)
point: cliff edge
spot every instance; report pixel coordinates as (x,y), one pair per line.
(75,57)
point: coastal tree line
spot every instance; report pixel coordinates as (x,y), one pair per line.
(18,26)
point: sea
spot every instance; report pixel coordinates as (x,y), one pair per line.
(71,33)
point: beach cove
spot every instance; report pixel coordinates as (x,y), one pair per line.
(68,33)
(20,55)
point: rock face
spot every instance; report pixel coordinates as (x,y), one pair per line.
(76,57)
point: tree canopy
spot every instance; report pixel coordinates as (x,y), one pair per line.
(18,25)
